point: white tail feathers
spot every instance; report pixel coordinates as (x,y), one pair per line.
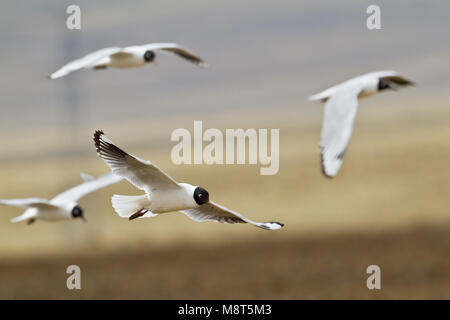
(126,206)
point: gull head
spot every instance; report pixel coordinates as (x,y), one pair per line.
(201,196)
(384,84)
(77,212)
(149,56)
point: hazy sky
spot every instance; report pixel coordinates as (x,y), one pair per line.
(263,55)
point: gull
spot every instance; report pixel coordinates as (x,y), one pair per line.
(162,193)
(341,105)
(64,206)
(128,57)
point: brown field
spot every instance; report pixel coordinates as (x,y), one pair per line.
(414,265)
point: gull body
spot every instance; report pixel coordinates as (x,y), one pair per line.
(132,60)
(157,201)
(128,57)
(162,193)
(62,207)
(341,105)
(55,211)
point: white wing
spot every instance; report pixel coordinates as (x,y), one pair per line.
(142,174)
(337,127)
(213,212)
(324,95)
(176,49)
(76,193)
(38,203)
(85,62)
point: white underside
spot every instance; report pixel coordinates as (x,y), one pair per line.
(155,203)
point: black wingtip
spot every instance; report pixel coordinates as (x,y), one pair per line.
(98,133)
(104,146)
(407,83)
(97,137)
(275,222)
(322,167)
(265,226)
(98,140)
(138,214)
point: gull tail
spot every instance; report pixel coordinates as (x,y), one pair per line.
(131,207)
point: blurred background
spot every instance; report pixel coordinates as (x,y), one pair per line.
(388,206)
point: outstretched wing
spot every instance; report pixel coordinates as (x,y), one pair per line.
(399,80)
(213,212)
(76,193)
(142,174)
(176,49)
(38,203)
(84,62)
(337,128)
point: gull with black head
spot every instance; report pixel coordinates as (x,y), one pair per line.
(65,205)
(341,105)
(128,57)
(162,193)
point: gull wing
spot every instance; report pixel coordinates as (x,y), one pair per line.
(85,62)
(176,49)
(77,192)
(142,174)
(213,212)
(38,203)
(337,127)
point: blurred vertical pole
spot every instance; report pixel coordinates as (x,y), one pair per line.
(71,94)
(71,103)
(73,123)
